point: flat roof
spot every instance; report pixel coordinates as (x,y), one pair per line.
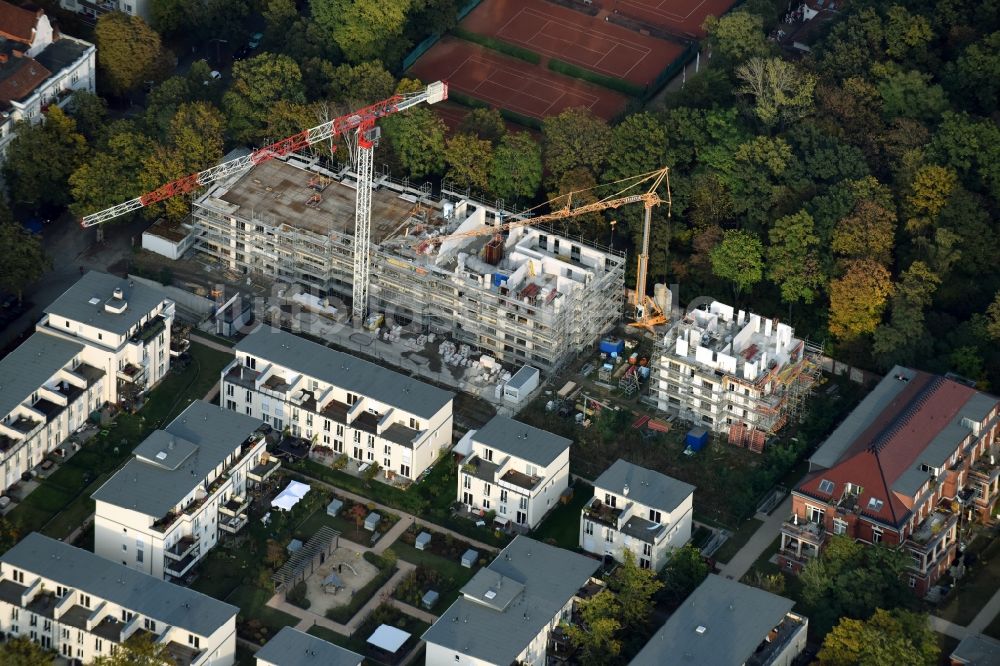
(522,376)
(169,604)
(291,647)
(977,650)
(345,371)
(203,435)
(77,302)
(480,628)
(722,622)
(277,192)
(645,486)
(389,638)
(521,440)
(34,362)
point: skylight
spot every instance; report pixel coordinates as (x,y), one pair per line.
(826,486)
(875,504)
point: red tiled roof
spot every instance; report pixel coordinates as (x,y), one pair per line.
(891,445)
(17,23)
(20,77)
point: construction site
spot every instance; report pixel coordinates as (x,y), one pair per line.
(529,296)
(733,372)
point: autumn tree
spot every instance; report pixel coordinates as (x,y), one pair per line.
(594,636)
(131,52)
(140,649)
(993,318)
(258,83)
(485,124)
(89,111)
(634,588)
(468,159)
(739,258)
(363,29)
(736,37)
(906,34)
(107,177)
(38,182)
(793,258)
(516,169)
(416,141)
(887,638)
(928,195)
(22,651)
(858,298)
(24,259)
(709,201)
(360,85)
(781,91)
(867,233)
(575,138)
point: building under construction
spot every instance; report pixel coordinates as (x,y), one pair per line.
(733,372)
(531,296)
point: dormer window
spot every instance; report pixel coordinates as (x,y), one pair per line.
(875,504)
(826,486)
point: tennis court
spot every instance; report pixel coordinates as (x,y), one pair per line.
(681,17)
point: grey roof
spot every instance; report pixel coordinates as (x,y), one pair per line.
(887,390)
(345,371)
(476,627)
(645,486)
(62,53)
(75,302)
(291,647)
(521,440)
(203,435)
(32,364)
(80,569)
(736,618)
(977,650)
(522,376)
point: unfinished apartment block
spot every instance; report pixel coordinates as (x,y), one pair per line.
(735,372)
(531,296)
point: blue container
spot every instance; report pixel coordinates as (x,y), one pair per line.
(612,346)
(696,439)
(499,279)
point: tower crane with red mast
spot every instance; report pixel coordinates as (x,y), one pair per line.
(360,124)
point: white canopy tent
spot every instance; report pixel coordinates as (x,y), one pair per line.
(290,496)
(388,638)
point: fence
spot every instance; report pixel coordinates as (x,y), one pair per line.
(424,46)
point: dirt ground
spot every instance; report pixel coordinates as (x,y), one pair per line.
(355,572)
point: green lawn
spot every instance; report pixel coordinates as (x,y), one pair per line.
(737,540)
(62,501)
(347,528)
(977,586)
(252,601)
(453,575)
(563,524)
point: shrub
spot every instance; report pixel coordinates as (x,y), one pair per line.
(609,82)
(297,596)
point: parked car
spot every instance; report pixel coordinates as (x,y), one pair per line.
(255,40)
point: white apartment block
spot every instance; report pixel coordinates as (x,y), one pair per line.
(38,67)
(123,326)
(92,10)
(514,469)
(357,408)
(533,297)
(640,510)
(732,372)
(186,487)
(509,609)
(83,607)
(47,392)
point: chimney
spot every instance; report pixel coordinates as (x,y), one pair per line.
(119,294)
(625,491)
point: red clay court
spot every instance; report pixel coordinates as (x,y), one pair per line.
(679,16)
(512,84)
(574,37)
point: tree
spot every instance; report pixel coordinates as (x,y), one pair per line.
(575,138)
(516,169)
(596,637)
(928,195)
(781,91)
(793,258)
(107,177)
(634,588)
(895,342)
(683,573)
(468,159)
(170,16)
(906,34)
(739,258)
(638,146)
(867,233)
(910,94)
(21,651)
(736,37)
(753,173)
(258,83)
(976,74)
(25,260)
(416,138)
(359,513)
(363,29)
(887,638)
(138,650)
(858,298)
(89,111)
(131,53)
(39,182)
(710,203)
(162,103)
(360,85)
(485,124)
(993,318)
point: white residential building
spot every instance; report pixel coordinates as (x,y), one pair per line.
(38,67)
(514,469)
(291,647)
(84,607)
(640,510)
(509,609)
(336,400)
(94,9)
(123,326)
(732,372)
(47,392)
(186,486)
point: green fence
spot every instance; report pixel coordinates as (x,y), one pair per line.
(424,46)
(672,70)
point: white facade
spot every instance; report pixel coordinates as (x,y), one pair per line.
(167,246)
(46,596)
(94,10)
(521,385)
(508,474)
(617,519)
(169,542)
(382,426)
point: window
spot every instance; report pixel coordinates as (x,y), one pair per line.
(194,641)
(61,591)
(414,424)
(387,463)
(404,470)
(85,600)
(486,504)
(486,489)
(588,527)
(47,625)
(371,455)
(340,430)
(138,556)
(523,504)
(609,535)
(644,563)
(371,441)
(655,516)
(230,390)
(488,455)
(33,621)
(387,449)
(149,624)
(98,645)
(124,548)
(610,500)
(815,515)
(18,576)
(839,526)
(351,398)
(466,481)
(913,581)
(826,486)
(875,504)
(503,494)
(65,633)
(357,436)
(877,535)
(127,616)
(326,425)
(14,613)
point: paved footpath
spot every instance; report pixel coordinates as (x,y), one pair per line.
(758,543)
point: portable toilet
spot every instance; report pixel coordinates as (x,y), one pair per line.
(696,439)
(612,346)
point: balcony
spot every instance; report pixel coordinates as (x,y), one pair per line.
(803,530)
(934,533)
(182,548)
(235,506)
(263,470)
(519,480)
(599,512)
(132,374)
(150,330)
(24,425)
(179,568)
(232,524)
